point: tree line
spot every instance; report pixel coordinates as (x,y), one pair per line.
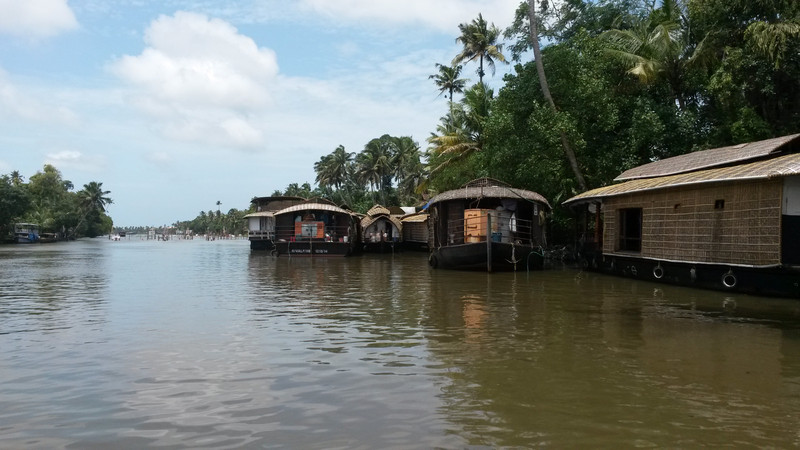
(620,83)
(51,202)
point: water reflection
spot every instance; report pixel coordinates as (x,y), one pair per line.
(205,344)
(47,287)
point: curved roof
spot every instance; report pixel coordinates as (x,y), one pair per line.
(706,159)
(780,166)
(313,207)
(260,214)
(369,220)
(488,188)
(378,209)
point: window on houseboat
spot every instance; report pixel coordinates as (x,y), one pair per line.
(630,229)
(309,230)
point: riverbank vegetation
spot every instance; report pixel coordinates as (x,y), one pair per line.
(51,202)
(615,84)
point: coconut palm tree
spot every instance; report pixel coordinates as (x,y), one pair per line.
(341,159)
(447,80)
(93,197)
(16,178)
(460,133)
(479,42)
(657,49)
(93,200)
(375,164)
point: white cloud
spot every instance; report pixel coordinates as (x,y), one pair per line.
(442,15)
(36,18)
(72,159)
(15,103)
(201,79)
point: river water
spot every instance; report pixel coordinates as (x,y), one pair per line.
(198,344)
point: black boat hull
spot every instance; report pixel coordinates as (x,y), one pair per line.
(505,257)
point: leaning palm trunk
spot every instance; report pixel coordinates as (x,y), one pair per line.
(537,54)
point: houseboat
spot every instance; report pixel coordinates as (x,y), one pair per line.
(381,231)
(261,222)
(726,218)
(316,227)
(487,225)
(415,231)
(26,233)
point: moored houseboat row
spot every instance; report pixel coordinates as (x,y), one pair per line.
(725,218)
(487,225)
(302,227)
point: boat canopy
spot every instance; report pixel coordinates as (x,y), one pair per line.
(260,214)
(312,207)
(488,188)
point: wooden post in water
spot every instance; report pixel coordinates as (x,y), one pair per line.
(488,242)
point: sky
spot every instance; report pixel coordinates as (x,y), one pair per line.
(177,104)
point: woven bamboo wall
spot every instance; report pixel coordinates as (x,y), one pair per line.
(682,223)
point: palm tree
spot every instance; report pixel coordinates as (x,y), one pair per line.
(407,166)
(341,159)
(324,168)
(537,54)
(92,199)
(460,133)
(656,49)
(16,178)
(480,43)
(447,80)
(773,40)
(374,164)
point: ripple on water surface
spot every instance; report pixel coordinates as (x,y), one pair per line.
(205,344)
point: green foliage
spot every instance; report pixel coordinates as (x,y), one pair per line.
(48,200)
(632,81)
(479,42)
(15,200)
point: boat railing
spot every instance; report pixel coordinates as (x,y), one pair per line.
(261,234)
(504,229)
(317,233)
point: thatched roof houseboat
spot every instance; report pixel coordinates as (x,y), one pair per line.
(381,230)
(725,218)
(261,223)
(415,230)
(316,227)
(487,225)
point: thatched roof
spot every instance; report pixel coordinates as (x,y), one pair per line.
(369,220)
(377,210)
(417,217)
(312,206)
(260,214)
(707,159)
(780,166)
(488,188)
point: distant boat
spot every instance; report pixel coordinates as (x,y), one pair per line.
(316,227)
(48,237)
(381,231)
(26,233)
(487,225)
(261,223)
(415,231)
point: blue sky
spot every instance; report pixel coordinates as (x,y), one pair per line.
(176,104)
